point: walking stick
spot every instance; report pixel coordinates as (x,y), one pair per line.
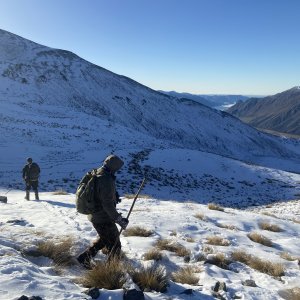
(131,208)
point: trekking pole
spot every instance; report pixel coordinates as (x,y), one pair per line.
(131,208)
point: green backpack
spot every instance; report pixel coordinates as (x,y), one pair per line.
(85,194)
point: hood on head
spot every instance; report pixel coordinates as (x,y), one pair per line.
(113,163)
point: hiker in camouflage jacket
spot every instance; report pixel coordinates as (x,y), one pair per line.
(104,220)
(31,173)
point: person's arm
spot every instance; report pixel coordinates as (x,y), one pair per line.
(107,196)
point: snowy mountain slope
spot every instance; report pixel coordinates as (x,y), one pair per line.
(68,114)
(54,217)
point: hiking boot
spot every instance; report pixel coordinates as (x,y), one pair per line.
(27,195)
(85,260)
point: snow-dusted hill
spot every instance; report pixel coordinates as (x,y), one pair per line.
(68,114)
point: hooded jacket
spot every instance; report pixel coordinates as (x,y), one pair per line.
(106,191)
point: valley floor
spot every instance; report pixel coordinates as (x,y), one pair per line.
(25,224)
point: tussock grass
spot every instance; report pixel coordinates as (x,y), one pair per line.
(58,250)
(266,213)
(168,245)
(137,231)
(207,249)
(259,238)
(269,227)
(131,196)
(214,206)
(290,294)
(288,256)
(151,278)
(153,254)
(296,220)
(185,275)
(109,275)
(60,192)
(219,260)
(263,266)
(217,241)
(200,216)
(173,233)
(227,226)
(190,240)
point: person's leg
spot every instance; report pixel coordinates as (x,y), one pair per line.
(35,185)
(112,240)
(27,189)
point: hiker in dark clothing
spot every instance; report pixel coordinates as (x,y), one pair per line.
(31,173)
(105,218)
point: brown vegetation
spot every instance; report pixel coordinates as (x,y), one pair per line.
(269,227)
(200,216)
(264,266)
(217,241)
(168,245)
(185,275)
(137,231)
(259,238)
(214,206)
(153,254)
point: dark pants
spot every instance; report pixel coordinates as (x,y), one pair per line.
(32,184)
(108,237)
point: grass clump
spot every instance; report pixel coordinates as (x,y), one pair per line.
(227,226)
(259,238)
(168,245)
(109,275)
(200,216)
(263,266)
(269,227)
(287,256)
(153,254)
(185,275)
(290,294)
(151,278)
(137,231)
(60,192)
(214,206)
(219,260)
(132,196)
(59,251)
(217,241)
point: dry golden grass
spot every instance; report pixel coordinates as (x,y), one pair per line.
(60,192)
(217,241)
(131,196)
(200,216)
(263,266)
(219,260)
(109,275)
(152,278)
(214,206)
(269,227)
(227,226)
(296,220)
(137,231)
(259,238)
(288,256)
(58,250)
(185,275)
(168,245)
(207,249)
(290,294)
(153,254)
(190,240)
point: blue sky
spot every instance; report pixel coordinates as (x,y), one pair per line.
(197,46)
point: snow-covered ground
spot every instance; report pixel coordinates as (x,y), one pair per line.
(25,223)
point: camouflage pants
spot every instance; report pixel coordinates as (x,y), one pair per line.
(108,237)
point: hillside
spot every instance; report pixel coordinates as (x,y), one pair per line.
(280,112)
(68,114)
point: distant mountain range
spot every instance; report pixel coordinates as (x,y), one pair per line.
(280,112)
(215,101)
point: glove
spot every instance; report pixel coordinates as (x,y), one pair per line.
(123,222)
